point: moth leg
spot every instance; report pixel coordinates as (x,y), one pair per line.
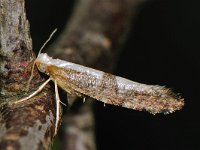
(34,93)
(58,109)
(84,98)
(31,77)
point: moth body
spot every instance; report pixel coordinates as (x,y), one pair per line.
(110,89)
(105,87)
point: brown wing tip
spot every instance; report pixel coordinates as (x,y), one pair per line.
(167,102)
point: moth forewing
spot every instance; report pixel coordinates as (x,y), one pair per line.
(108,88)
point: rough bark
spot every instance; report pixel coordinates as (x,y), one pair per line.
(92,38)
(27,125)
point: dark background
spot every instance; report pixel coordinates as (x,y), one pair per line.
(162,49)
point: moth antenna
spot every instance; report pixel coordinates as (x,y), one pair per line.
(33,67)
(50,37)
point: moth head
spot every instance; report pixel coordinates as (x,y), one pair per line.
(42,61)
(41,66)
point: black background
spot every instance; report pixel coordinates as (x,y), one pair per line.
(162,49)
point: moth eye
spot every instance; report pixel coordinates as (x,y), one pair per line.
(42,67)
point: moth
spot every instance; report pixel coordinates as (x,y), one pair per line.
(107,88)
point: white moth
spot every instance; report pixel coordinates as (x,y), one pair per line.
(84,81)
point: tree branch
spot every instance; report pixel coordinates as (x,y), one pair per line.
(28,125)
